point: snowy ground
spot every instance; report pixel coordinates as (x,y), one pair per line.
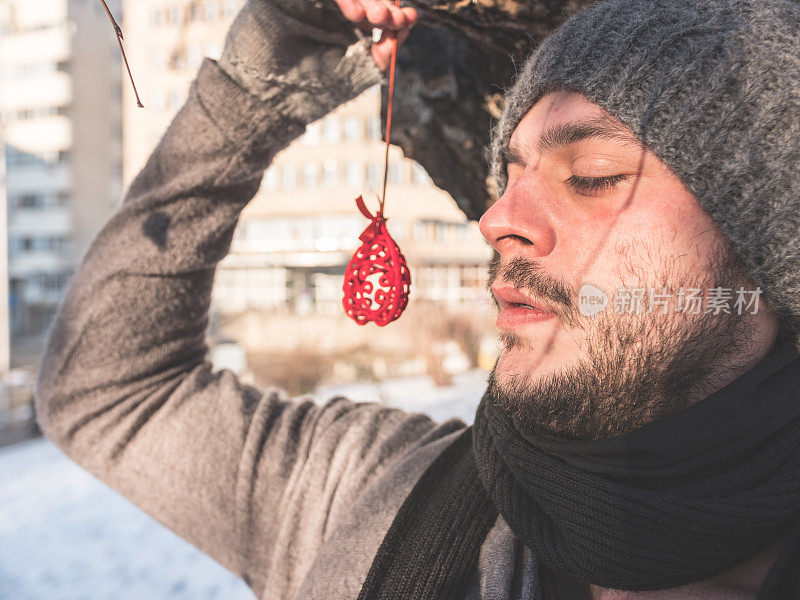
(65,536)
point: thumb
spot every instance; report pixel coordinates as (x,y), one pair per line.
(382,49)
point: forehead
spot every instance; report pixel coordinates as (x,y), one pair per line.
(564,117)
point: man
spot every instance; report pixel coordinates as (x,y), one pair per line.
(648,145)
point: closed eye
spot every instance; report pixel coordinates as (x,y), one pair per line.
(588,185)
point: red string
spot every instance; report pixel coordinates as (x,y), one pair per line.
(377,280)
(389,117)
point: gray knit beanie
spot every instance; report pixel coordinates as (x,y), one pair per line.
(712,87)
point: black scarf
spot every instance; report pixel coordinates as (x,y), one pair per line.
(678,500)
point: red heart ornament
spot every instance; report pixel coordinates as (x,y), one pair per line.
(377,280)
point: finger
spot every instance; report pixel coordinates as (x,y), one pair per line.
(398,17)
(384,14)
(352,10)
(411,15)
(377,12)
(382,51)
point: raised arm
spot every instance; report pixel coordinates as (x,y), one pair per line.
(125,387)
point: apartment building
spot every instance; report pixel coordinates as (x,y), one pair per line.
(60,127)
(296,237)
(166,42)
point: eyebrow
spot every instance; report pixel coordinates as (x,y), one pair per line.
(564,134)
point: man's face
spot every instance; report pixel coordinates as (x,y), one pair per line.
(614,253)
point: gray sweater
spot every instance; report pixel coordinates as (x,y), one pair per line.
(293,496)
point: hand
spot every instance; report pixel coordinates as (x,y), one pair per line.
(306,56)
(381,14)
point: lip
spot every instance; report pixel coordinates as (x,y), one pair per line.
(511,315)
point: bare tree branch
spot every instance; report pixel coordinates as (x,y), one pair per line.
(118,32)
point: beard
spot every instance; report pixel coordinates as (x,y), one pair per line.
(637,367)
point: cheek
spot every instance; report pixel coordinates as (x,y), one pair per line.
(684,230)
(662,229)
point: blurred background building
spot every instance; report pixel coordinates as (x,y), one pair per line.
(278,294)
(61,134)
(73,139)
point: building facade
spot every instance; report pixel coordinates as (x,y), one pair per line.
(296,237)
(285,271)
(166,40)
(298,234)
(60,124)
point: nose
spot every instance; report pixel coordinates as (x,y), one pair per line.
(518,221)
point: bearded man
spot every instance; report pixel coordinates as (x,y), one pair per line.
(647,154)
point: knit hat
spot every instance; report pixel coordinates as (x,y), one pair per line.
(712,87)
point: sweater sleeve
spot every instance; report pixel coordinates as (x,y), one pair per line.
(126,389)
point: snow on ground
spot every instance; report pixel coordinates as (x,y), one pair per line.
(418,394)
(65,536)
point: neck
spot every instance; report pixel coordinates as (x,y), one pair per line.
(762,339)
(743,582)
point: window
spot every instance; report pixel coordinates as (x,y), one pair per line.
(310,174)
(159,58)
(194,55)
(396,172)
(175,17)
(312,135)
(331,131)
(289,178)
(211,10)
(353,128)
(50,244)
(58,282)
(354,174)
(343,228)
(397,229)
(27,201)
(419,231)
(302,229)
(424,230)
(231,7)
(374,128)
(20,159)
(472,277)
(271,179)
(17,245)
(158,99)
(331,173)
(441,232)
(335,232)
(16,158)
(176,99)
(50,283)
(373,176)
(36,113)
(420,176)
